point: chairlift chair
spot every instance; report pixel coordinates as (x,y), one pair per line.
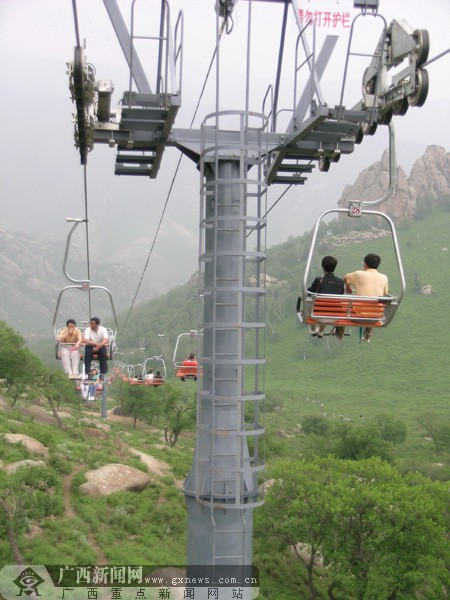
(156,380)
(351,310)
(133,377)
(184,372)
(84,286)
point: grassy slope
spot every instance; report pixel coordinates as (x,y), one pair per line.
(403,371)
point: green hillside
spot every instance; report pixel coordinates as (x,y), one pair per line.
(402,372)
(332,411)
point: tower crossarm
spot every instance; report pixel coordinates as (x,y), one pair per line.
(327,133)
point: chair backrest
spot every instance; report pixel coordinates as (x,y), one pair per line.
(349,310)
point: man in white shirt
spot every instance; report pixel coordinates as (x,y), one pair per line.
(96,341)
(367,283)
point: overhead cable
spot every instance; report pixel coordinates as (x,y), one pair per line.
(179,312)
(88,260)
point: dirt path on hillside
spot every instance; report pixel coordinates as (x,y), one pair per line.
(70,514)
(67,484)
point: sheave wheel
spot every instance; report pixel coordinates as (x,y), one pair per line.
(336,157)
(400,107)
(422,49)
(359,136)
(386,118)
(369,129)
(422,84)
(324,163)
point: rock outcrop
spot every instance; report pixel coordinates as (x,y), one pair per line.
(32,445)
(12,468)
(431,173)
(154,465)
(430,176)
(112,478)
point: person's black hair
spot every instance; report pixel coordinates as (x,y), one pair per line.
(329,264)
(191,355)
(372,261)
(96,320)
(70,321)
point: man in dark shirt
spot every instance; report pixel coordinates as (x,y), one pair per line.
(327,284)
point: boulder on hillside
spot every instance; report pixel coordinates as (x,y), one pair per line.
(34,446)
(12,468)
(426,290)
(303,551)
(39,414)
(159,467)
(114,477)
(265,486)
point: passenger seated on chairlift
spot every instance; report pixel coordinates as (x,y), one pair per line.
(70,335)
(150,375)
(327,284)
(190,361)
(158,375)
(96,340)
(367,282)
(93,377)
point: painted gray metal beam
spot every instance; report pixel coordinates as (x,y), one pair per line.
(307,52)
(321,64)
(188,140)
(305,100)
(123,35)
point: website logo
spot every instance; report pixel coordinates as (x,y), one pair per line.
(28,582)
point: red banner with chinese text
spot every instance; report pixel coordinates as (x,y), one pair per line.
(332,16)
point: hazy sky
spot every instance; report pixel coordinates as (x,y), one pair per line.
(40,175)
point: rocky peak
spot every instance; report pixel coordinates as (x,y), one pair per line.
(429,175)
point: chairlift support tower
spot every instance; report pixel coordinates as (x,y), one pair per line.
(239,153)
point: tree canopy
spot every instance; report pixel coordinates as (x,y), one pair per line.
(22,372)
(382,535)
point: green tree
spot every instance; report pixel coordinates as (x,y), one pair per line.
(18,366)
(435,429)
(356,442)
(391,429)
(56,387)
(167,404)
(178,411)
(315,424)
(140,402)
(382,535)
